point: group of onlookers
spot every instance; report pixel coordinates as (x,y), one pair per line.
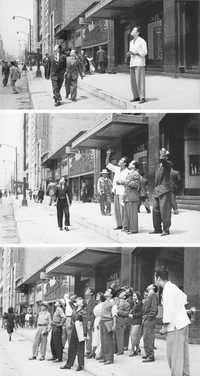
(130,189)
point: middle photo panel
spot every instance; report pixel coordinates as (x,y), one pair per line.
(106,178)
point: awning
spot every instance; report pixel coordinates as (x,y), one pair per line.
(108,132)
(110,8)
(81,259)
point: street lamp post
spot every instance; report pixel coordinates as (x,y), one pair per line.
(16,166)
(30,35)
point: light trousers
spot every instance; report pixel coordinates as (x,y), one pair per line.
(40,340)
(178,352)
(118,210)
(137,77)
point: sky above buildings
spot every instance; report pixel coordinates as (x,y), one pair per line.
(9,28)
(10,124)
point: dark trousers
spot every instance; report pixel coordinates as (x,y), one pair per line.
(174,203)
(101,66)
(5,79)
(107,343)
(63,208)
(162,212)
(75,348)
(119,335)
(105,204)
(149,337)
(56,342)
(145,201)
(71,87)
(56,86)
(131,216)
(127,329)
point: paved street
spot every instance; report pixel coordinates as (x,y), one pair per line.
(14,360)
(20,101)
(37,223)
(42,97)
(106,91)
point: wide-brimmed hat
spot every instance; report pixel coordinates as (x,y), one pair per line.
(45,304)
(104,171)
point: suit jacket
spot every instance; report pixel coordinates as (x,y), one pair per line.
(150,307)
(132,186)
(62,194)
(90,311)
(56,68)
(73,68)
(162,179)
(175,180)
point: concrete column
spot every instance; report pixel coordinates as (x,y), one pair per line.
(153,148)
(97,169)
(111,45)
(126,266)
(170,35)
(191,288)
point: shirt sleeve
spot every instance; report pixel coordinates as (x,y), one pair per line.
(168,305)
(111,167)
(141,48)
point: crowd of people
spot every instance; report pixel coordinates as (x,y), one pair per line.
(104,324)
(130,189)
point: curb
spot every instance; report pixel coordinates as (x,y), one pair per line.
(107,97)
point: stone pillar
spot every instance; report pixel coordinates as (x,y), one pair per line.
(153,148)
(97,169)
(126,266)
(191,288)
(111,45)
(170,36)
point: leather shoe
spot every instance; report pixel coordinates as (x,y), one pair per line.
(108,362)
(101,361)
(79,368)
(57,360)
(32,358)
(156,232)
(165,233)
(142,101)
(65,367)
(148,360)
(118,228)
(135,99)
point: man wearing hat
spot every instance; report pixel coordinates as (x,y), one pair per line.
(162,196)
(56,71)
(104,190)
(43,328)
(74,69)
(56,334)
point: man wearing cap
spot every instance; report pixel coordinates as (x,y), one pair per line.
(104,190)
(74,69)
(56,71)
(162,196)
(43,328)
(90,304)
(120,173)
(56,334)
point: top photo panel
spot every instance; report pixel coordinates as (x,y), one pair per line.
(106,54)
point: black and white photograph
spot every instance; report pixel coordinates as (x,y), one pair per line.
(89,178)
(101,311)
(83,54)
(99,187)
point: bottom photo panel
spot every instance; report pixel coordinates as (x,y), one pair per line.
(102,311)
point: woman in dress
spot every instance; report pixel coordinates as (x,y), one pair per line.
(96,338)
(10,322)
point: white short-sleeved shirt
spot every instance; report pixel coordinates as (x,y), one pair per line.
(139,48)
(118,175)
(174,311)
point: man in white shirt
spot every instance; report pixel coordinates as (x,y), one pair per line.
(120,173)
(175,325)
(137,52)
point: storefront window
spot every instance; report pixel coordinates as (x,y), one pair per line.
(194,163)
(155,39)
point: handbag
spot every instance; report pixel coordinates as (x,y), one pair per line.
(109,326)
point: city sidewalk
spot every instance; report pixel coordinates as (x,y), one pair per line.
(163,92)
(124,365)
(37,224)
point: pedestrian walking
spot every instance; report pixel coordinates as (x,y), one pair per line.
(56,71)
(64,200)
(56,332)
(84,62)
(131,198)
(46,62)
(144,196)
(73,71)
(41,195)
(10,322)
(137,53)
(175,184)
(136,322)
(90,303)
(150,311)
(175,324)
(14,76)
(43,329)
(51,190)
(162,196)
(5,73)
(120,173)
(101,60)
(104,190)
(78,337)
